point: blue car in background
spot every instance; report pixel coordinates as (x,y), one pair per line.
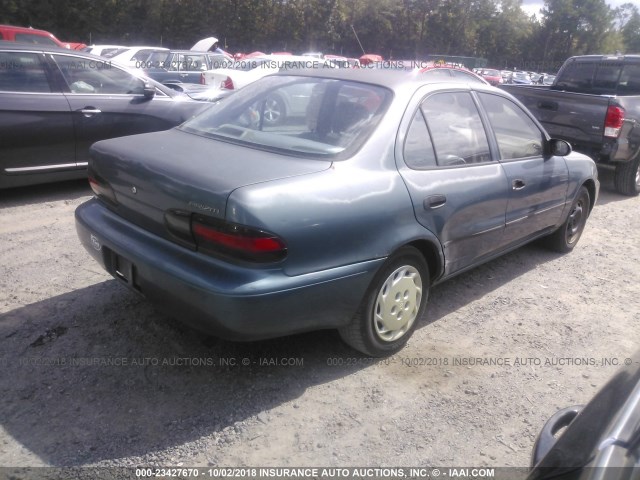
(381,185)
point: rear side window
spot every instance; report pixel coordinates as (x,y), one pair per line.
(37,39)
(22,72)
(418,149)
(456,128)
(576,76)
(630,80)
(606,79)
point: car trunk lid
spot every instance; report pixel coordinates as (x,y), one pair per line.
(176,171)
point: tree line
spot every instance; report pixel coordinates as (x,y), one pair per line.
(498,30)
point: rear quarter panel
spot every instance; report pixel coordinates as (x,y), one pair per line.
(357,210)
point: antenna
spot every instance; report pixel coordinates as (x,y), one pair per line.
(354,32)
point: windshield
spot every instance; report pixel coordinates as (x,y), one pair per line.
(296,115)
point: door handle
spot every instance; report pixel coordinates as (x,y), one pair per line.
(434,201)
(90,111)
(518,184)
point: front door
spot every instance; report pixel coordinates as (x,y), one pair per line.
(537,182)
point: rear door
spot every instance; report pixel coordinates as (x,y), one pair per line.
(108,102)
(35,120)
(459,192)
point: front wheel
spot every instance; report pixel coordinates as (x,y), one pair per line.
(566,237)
(392,306)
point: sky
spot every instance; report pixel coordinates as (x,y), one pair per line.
(533,6)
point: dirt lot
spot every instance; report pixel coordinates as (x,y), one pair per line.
(93,375)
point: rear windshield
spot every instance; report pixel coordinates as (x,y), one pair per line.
(612,77)
(306,116)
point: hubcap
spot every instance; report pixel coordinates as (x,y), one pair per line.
(272,111)
(638,177)
(398,303)
(574,225)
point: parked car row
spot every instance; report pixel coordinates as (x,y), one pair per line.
(10,33)
(55,103)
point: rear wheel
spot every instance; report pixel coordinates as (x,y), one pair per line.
(392,307)
(627,177)
(566,237)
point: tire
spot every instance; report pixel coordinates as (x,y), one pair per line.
(627,177)
(392,307)
(566,237)
(274,111)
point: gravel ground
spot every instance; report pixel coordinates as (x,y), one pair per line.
(93,375)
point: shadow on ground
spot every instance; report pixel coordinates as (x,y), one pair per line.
(98,374)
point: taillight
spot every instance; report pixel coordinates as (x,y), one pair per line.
(102,189)
(238,241)
(613,121)
(202,79)
(227,84)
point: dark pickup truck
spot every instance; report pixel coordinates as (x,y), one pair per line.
(594,104)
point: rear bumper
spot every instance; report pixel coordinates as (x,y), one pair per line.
(230,301)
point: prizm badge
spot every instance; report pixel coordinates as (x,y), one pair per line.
(95,243)
(202,206)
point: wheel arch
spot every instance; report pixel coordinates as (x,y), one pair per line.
(432,254)
(590,185)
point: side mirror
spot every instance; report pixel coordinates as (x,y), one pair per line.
(149,91)
(559,148)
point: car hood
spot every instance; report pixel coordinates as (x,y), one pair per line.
(153,173)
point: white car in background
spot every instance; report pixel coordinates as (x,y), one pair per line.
(137,57)
(237,74)
(106,51)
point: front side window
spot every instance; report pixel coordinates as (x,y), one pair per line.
(22,72)
(89,76)
(456,128)
(302,115)
(517,135)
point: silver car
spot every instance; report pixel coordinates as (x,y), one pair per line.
(343,215)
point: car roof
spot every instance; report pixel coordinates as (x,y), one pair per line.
(197,52)
(17,46)
(24,29)
(390,78)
